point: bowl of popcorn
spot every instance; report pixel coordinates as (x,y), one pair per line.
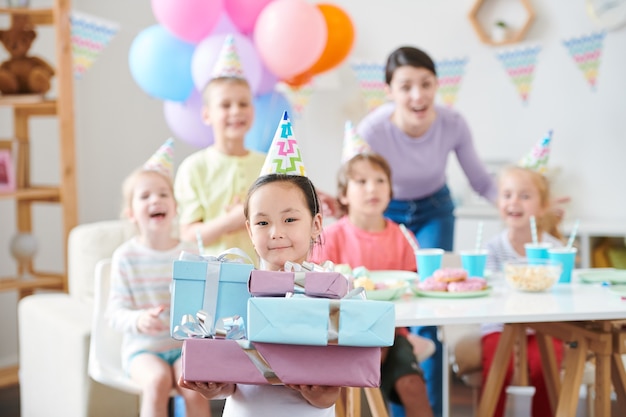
(383,285)
(532,275)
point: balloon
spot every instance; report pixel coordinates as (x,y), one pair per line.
(268,81)
(340,38)
(290,36)
(161,64)
(189,20)
(300,79)
(224,26)
(207,52)
(268,109)
(185,121)
(244,13)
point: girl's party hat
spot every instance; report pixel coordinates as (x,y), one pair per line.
(537,158)
(162,160)
(228,63)
(283,156)
(353,144)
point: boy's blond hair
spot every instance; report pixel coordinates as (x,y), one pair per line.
(129,184)
(549,222)
(206,93)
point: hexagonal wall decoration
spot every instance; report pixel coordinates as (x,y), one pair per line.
(485,37)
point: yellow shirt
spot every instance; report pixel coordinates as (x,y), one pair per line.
(207,182)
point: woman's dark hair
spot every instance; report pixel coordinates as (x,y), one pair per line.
(408,55)
(345,173)
(303,183)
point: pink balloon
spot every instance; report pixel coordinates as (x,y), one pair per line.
(224,25)
(244,13)
(185,121)
(189,20)
(290,36)
(206,53)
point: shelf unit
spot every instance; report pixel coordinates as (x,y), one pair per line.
(26,193)
(515,37)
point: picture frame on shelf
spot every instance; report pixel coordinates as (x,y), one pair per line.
(7,176)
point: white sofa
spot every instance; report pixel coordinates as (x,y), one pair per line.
(54,333)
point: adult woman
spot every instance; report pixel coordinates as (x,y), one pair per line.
(416,136)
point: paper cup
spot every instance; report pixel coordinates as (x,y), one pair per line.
(474,262)
(537,251)
(567,258)
(428,261)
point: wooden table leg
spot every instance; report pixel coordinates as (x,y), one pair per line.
(550,368)
(575,358)
(520,357)
(498,369)
(602,400)
(376,403)
(618,376)
(353,402)
(340,405)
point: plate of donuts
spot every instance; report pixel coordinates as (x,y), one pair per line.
(451,283)
(384,285)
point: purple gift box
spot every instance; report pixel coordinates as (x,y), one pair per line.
(241,361)
(311,283)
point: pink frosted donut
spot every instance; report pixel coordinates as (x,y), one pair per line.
(450,274)
(431,284)
(470,284)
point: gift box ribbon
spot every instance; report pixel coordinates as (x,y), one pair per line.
(201,326)
(259,362)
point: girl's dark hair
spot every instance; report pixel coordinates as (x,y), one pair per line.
(345,173)
(408,55)
(303,183)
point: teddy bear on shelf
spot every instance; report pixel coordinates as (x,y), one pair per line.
(22,74)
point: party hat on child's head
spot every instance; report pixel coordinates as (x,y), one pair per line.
(228,63)
(283,156)
(537,158)
(353,144)
(162,159)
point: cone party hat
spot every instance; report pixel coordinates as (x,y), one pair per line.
(353,144)
(228,63)
(537,158)
(162,160)
(283,156)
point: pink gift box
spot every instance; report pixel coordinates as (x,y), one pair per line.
(311,283)
(241,361)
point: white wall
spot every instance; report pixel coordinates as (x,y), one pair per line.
(119,126)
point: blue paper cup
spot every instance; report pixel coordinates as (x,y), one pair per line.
(428,261)
(567,258)
(537,251)
(474,262)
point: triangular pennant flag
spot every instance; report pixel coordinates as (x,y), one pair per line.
(284,155)
(520,65)
(228,63)
(371,78)
(299,97)
(353,144)
(449,75)
(163,159)
(586,51)
(537,158)
(90,35)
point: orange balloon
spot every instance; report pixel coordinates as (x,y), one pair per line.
(340,38)
(300,79)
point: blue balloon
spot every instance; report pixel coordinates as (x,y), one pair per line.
(268,110)
(161,64)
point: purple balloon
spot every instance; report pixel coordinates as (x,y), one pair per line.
(224,25)
(268,81)
(206,53)
(185,121)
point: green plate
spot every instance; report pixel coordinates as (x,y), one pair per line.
(391,277)
(597,277)
(446,294)
(387,294)
(619,290)
(382,276)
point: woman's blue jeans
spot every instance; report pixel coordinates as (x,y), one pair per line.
(431,219)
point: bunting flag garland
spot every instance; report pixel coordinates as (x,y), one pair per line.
(586,51)
(520,64)
(90,35)
(449,74)
(299,97)
(371,78)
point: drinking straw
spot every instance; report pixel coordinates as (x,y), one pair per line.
(199,241)
(570,242)
(409,238)
(479,236)
(533,229)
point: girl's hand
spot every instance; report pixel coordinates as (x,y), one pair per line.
(149,321)
(319,396)
(209,390)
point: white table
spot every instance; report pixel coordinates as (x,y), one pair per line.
(555,312)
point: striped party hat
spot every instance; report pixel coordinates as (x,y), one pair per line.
(537,158)
(162,160)
(228,63)
(353,144)
(283,156)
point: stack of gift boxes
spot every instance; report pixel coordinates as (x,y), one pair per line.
(298,326)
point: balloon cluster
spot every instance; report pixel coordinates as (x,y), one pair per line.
(277,40)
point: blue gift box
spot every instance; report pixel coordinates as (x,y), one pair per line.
(218,287)
(320,321)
